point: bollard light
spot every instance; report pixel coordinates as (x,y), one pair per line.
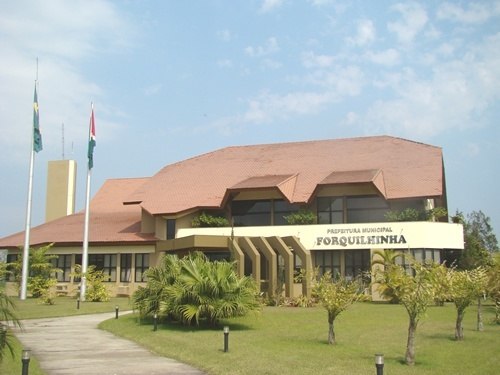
(116,311)
(25,359)
(78,303)
(155,322)
(226,339)
(379,363)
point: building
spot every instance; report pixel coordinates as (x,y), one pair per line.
(350,185)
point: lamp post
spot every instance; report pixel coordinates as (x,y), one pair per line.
(226,339)
(78,303)
(25,359)
(116,311)
(155,322)
(379,363)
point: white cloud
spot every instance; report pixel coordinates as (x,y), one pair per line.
(365,33)
(225,35)
(414,19)
(269,5)
(456,95)
(152,89)
(311,60)
(475,12)
(225,63)
(62,35)
(270,47)
(388,57)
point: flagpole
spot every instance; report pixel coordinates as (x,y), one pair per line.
(85,253)
(36,145)
(26,250)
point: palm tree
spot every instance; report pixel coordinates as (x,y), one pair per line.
(387,259)
(7,318)
(209,290)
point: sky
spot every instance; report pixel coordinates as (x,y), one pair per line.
(170,80)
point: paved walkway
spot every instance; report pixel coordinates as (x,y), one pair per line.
(75,346)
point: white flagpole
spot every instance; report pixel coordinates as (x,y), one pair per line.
(26,250)
(85,254)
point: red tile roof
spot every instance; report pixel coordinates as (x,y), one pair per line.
(403,169)
(110,221)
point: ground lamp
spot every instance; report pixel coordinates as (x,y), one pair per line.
(155,322)
(226,339)
(25,359)
(116,311)
(78,303)
(379,363)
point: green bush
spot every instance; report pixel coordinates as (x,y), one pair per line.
(208,221)
(302,217)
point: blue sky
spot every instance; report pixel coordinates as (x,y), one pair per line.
(174,79)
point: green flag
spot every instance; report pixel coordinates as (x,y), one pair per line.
(37,136)
(92,142)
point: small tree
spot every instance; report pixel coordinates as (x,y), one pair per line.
(383,260)
(336,296)
(96,290)
(493,285)
(466,287)
(42,272)
(415,293)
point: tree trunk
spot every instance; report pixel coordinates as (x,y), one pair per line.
(331,331)
(410,346)
(459,329)
(479,314)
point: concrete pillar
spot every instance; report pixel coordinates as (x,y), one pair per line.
(282,249)
(305,255)
(272,259)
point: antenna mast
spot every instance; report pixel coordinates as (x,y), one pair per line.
(62,141)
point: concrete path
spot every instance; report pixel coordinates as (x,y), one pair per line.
(75,346)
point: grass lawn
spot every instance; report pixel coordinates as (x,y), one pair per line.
(64,306)
(288,340)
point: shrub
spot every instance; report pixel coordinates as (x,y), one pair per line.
(206,220)
(302,217)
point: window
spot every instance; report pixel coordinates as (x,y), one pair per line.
(141,266)
(105,263)
(63,262)
(11,258)
(327,261)
(366,209)
(251,213)
(330,210)
(170,229)
(356,262)
(281,209)
(125,267)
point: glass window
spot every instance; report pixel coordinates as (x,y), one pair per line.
(141,266)
(356,262)
(281,209)
(11,258)
(327,261)
(366,209)
(330,210)
(170,229)
(125,267)
(105,263)
(63,262)
(251,213)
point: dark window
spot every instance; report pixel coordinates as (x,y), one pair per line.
(214,256)
(63,262)
(125,267)
(366,209)
(141,266)
(170,229)
(356,262)
(105,263)
(330,210)
(11,258)
(251,213)
(281,209)
(327,261)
